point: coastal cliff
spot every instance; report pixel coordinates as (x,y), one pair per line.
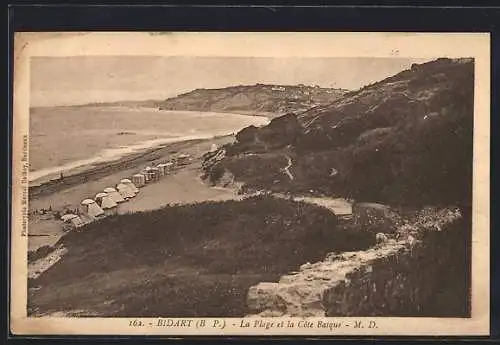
(258,99)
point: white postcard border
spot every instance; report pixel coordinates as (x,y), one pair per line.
(416,45)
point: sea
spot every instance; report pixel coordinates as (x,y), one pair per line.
(65,138)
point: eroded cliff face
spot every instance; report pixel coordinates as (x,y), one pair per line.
(418,272)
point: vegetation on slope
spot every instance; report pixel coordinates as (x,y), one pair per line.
(404,140)
(167,262)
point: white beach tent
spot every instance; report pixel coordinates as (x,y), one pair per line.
(105,201)
(130,185)
(147,174)
(73,220)
(139,180)
(77,221)
(155,174)
(151,174)
(91,209)
(161,168)
(125,191)
(113,193)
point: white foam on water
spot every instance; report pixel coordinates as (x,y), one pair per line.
(112,154)
(115,153)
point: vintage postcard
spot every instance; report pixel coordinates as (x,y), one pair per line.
(173,184)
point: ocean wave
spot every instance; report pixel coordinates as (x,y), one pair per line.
(115,153)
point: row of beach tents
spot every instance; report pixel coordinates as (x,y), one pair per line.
(106,202)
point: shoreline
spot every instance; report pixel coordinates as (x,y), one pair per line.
(106,156)
(80,175)
(132,107)
(104,152)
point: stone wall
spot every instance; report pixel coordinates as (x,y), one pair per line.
(423,274)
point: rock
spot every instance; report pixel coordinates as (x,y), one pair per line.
(305,266)
(213,157)
(263,296)
(247,134)
(227,179)
(271,313)
(381,237)
(349,283)
(281,131)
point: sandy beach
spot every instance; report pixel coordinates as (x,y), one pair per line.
(183,185)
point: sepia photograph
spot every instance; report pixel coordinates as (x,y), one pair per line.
(188,187)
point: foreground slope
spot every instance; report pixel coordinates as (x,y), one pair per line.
(169,263)
(405,140)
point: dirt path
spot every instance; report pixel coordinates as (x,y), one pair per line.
(286,169)
(339,206)
(184,187)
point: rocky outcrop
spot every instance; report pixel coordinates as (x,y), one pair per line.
(247,135)
(281,131)
(212,158)
(301,294)
(395,278)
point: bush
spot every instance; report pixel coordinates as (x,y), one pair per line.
(39,253)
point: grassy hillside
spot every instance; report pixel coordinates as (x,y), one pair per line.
(168,263)
(404,140)
(262,99)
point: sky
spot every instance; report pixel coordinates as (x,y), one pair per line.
(87,79)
